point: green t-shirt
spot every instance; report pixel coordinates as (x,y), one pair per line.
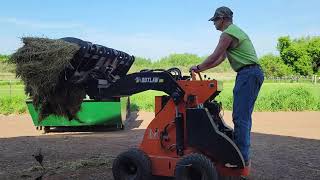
(244,53)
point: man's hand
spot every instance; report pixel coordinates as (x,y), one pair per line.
(194,69)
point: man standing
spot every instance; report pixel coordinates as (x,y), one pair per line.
(238,48)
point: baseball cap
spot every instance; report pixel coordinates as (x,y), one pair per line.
(222,12)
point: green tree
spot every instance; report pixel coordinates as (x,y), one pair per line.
(283,43)
(313,49)
(302,54)
(141,63)
(179,60)
(273,66)
(3,58)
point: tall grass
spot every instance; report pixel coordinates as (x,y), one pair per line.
(12,98)
(12,105)
(272,97)
(144,100)
(279,97)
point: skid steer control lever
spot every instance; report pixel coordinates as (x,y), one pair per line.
(193,75)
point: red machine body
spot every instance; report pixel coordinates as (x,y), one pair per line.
(164,157)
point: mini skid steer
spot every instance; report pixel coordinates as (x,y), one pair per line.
(187,139)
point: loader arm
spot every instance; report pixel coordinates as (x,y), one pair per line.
(135,83)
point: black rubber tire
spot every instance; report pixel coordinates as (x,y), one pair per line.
(195,167)
(46,129)
(133,164)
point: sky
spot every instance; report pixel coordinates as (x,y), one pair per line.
(155,29)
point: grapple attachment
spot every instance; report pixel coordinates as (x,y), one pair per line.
(94,61)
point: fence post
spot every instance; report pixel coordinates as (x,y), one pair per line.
(10,87)
(313,78)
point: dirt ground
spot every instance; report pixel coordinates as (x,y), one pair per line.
(285,145)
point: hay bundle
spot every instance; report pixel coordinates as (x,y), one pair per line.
(42,64)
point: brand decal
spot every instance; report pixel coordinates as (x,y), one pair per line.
(153,134)
(149,80)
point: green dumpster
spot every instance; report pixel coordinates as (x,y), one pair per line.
(111,112)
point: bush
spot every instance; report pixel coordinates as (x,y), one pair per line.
(145,100)
(273,66)
(279,97)
(290,99)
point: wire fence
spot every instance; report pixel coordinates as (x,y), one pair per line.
(294,79)
(11,88)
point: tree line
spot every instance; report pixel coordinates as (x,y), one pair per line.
(300,56)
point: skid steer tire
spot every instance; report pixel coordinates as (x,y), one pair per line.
(195,167)
(133,164)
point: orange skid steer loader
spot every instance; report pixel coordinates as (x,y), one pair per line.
(187,139)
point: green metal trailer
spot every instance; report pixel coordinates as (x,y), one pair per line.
(111,112)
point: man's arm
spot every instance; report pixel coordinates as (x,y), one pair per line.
(217,56)
(215,63)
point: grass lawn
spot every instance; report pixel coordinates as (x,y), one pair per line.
(272,97)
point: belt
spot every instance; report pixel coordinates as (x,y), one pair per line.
(248,66)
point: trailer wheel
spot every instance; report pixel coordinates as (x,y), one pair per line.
(133,164)
(46,129)
(195,166)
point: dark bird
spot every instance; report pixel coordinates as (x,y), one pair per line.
(39,157)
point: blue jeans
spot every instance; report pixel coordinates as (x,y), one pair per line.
(245,92)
